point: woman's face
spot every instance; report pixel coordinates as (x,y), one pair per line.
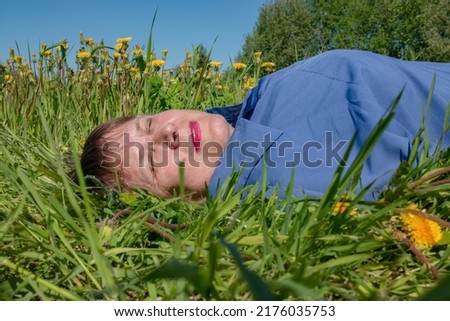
(152,147)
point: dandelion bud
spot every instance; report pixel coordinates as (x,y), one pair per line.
(258,56)
(124,40)
(89,41)
(19,59)
(105,233)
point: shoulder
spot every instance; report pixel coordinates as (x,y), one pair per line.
(338,65)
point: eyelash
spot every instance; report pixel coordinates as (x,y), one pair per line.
(151,157)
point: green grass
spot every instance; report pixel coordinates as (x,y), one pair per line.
(59,241)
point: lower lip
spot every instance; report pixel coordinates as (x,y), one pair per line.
(196,134)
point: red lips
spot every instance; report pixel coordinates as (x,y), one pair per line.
(194,128)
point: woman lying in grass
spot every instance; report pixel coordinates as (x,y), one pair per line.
(296,125)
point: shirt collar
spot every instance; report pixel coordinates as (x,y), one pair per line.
(231,113)
(244,151)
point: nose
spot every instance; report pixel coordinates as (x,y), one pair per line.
(167,134)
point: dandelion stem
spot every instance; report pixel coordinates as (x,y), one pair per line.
(171,226)
(400,236)
(441,182)
(120,213)
(429,177)
(151,222)
(160,231)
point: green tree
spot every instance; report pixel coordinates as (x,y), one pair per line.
(392,28)
(282,29)
(289,30)
(436,31)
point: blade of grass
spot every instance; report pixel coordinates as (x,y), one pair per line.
(47,284)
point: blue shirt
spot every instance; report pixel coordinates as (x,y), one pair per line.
(301,119)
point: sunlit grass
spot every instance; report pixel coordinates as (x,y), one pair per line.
(59,241)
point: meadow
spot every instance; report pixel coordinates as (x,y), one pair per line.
(60,241)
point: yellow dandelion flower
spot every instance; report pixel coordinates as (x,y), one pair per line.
(119,46)
(18,59)
(239,66)
(134,69)
(7,77)
(25,66)
(249,82)
(84,55)
(184,67)
(124,40)
(116,55)
(158,62)
(215,64)
(89,41)
(104,53)
(421,230)
(138,51)
(268,65)
(341,207)
(47,53)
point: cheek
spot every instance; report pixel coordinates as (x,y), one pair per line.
(218,130)
(197,176)
(212,153)
(167,176)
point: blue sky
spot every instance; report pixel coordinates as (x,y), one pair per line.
(180,24)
